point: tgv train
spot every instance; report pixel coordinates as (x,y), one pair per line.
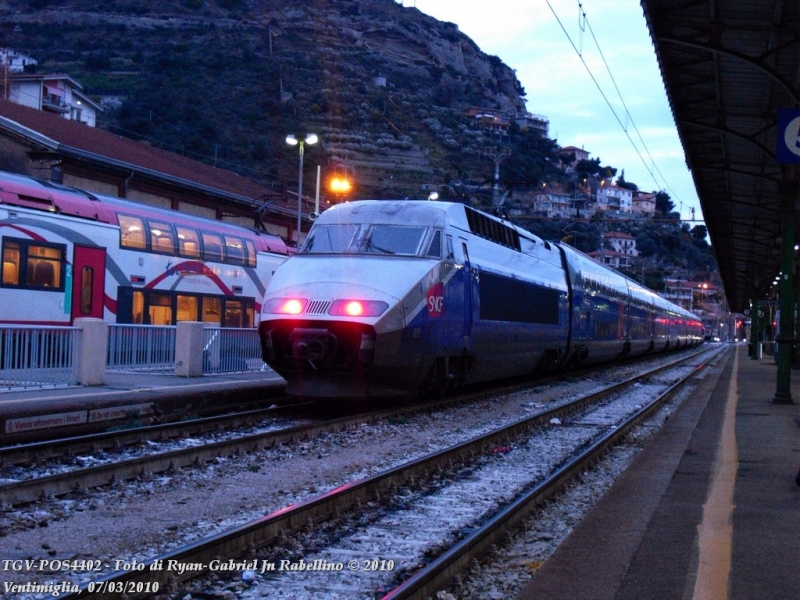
(68,253)
(389,297)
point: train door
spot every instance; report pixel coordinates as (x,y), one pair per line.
(467,325)
(88,282)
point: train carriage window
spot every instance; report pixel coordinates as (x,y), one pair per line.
(251,253)
(435,248)
(162,237)
(131,233)
(188,242)
(234,250)
(160,309)
(212,307)
(11,262)
(186,308)
(137,307)
(234,314)
(87,279)
(43,267)
(212,247)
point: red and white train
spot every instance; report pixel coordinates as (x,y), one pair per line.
(67,253)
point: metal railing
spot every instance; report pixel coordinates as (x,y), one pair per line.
(36,356)
(227,350)
(141,348)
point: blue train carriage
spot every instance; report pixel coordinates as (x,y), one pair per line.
(393,296)
(614,316)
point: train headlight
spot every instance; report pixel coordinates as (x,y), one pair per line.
(358,308)
(285,306)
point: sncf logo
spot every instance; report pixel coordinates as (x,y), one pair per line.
(434,300)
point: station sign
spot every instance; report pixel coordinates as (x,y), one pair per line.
(787,139)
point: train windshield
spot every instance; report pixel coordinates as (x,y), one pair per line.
(330,238)
(370,239)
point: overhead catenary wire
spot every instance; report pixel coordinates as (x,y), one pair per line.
(585,25)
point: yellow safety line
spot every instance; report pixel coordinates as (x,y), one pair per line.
(715,532)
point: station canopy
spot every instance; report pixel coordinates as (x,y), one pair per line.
(728,67)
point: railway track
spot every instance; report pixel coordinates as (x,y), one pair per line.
(54,468)
(363,502)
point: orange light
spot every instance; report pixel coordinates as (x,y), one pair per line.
(293,307)
(340,185)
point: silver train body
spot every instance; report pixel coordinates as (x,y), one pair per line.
(393,297)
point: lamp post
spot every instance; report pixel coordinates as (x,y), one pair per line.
(292,140)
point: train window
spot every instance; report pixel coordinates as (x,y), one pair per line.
(162,238)
(251,253)
(87,278)
(388,239)
(330,238)
(188,242)
(234,250)
(212,247)
(234,314)
(186,308)
(137,306)
(131,232)
(11,262)
(43,267)
(435,248)
(212,307)
(160,309)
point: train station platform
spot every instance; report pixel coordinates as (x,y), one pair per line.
(39,413)
(709,509)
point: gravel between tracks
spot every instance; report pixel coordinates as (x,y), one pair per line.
(138,520)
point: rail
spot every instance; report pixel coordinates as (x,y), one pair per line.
(37,356)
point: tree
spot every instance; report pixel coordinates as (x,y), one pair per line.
(699,233)
(664,204)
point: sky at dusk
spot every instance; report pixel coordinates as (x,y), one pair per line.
(591,69)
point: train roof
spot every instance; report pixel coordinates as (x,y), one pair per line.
(429,213)
(40,194)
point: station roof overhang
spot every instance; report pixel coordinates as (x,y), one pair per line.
(728,67)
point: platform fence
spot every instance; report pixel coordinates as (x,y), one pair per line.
(228,350)
(37,356)
(146,348)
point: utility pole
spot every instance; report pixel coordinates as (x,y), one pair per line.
(497,155)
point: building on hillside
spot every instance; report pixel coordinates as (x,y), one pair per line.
(614,198)
(621,242)
(565,155)
(533,122)
(16,62)
(57,94)
(488,118)
(554,205)
(644,204)
(680,292)
(612,258)
(42,144)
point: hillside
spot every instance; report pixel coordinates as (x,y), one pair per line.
(224,81)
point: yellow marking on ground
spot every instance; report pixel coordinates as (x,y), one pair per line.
(715,532)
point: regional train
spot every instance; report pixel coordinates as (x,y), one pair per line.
(394,297)
(67,253)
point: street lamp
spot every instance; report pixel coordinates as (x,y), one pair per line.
(310,138)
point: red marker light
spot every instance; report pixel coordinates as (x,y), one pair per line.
(354,308)
(285,306)
(293,306)
(358,308)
